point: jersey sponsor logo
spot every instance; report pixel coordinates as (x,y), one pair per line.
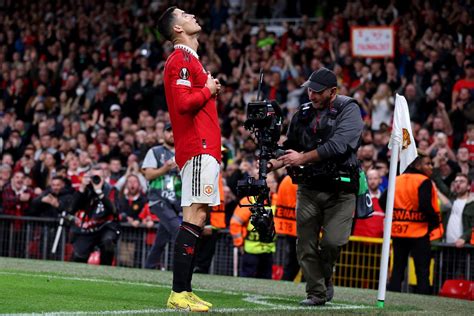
(208,189)
(182,82)
(184,73)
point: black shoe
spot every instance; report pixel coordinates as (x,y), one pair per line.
(313,301)
(329,289)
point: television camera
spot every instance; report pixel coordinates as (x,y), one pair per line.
(264,121)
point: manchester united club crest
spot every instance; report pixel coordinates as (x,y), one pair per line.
(208,189)
(184,73)
(406,139)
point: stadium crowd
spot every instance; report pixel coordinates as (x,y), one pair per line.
(81,84)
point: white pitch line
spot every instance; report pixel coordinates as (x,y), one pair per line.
(261,300)
(255,299)
(165,310)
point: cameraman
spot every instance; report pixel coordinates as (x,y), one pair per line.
(95,218)
(323,138)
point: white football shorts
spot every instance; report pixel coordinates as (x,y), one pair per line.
(200,181)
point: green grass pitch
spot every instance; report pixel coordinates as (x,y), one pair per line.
(57,288)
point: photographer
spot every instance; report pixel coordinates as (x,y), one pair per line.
(323,138)
(95,218)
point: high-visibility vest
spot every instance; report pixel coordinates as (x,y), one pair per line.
(438,232)
(408,220)
(242,232)
(218,212)
(285,214)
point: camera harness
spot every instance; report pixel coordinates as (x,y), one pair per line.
(314,130)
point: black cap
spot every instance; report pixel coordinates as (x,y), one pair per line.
(321,79)
(168,127)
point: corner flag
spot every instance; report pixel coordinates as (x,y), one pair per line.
(402,134)
(401,143)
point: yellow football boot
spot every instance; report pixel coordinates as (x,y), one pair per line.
(197,299)
(182,301)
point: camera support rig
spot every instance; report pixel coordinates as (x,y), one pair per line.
(264,119)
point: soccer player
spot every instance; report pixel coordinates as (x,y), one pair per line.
(190,94)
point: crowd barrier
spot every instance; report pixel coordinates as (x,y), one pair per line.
(358,265)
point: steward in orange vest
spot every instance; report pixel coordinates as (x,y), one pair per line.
(257,257)
(218,212)
(285,215)
(415,215)
(416,209)
(285,224)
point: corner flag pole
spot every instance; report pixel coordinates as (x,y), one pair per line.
(387,229)
(402,138)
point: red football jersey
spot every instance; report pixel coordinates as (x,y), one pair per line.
(193,111)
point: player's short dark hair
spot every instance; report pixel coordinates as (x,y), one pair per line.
(165,23)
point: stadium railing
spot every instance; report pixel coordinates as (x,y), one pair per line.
(358,265)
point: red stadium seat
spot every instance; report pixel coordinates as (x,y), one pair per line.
(462,289)
(277,272)
(94,258)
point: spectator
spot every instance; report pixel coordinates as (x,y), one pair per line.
(444,166)
(467,82)
(382,107)
(54,200)
(462,157)
(17,196)
(44,170)
(469,142)
(458,217)
(372,226)
(116,171)
(132,204)
(132,207)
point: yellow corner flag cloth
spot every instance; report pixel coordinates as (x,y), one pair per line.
(402,134)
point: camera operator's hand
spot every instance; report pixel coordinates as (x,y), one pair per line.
(273,165)
(293,158)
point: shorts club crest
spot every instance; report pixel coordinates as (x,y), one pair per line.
(208,189)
